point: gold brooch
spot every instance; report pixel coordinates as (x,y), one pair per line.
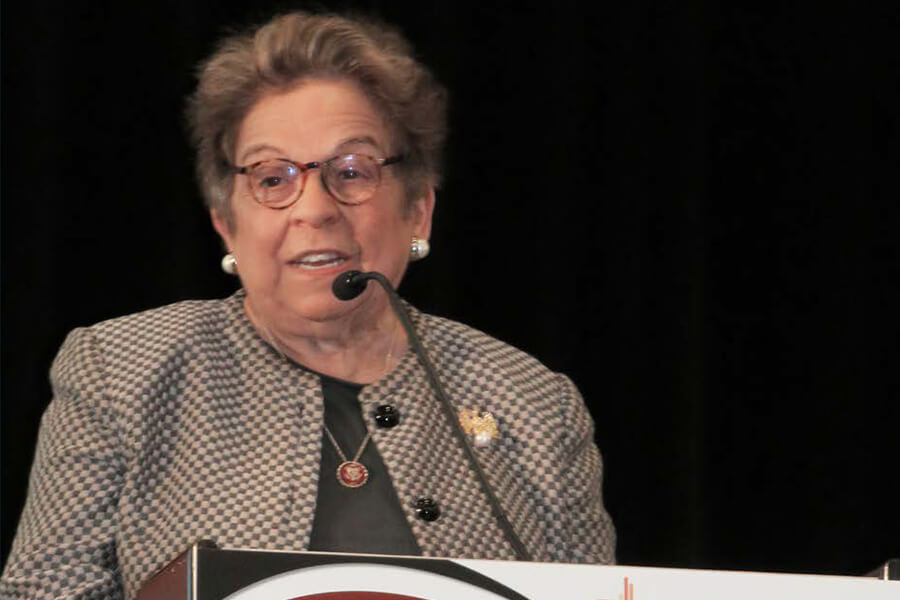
(481,427)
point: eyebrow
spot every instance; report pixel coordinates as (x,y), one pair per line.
(256,148)
(357,140)
(350,141)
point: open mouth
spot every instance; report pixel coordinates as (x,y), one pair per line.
(319,259)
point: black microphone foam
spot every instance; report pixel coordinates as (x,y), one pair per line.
(349,284)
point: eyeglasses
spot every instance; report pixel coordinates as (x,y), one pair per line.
(350,178)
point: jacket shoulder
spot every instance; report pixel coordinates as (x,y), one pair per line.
(470,352)
(173,321)
(138,345)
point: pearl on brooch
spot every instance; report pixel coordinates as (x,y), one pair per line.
(482,439)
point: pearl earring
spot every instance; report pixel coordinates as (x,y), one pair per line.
(419,248)
(229,264)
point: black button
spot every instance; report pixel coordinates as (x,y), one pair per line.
(427,509)
(386,416)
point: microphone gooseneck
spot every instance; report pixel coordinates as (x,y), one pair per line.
(349,285)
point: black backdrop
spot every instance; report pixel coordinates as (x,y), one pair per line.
(690,208)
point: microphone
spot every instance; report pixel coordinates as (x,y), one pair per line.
(350,284)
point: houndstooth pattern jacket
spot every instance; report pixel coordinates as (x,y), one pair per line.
(181,423)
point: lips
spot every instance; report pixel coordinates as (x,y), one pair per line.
(319,259)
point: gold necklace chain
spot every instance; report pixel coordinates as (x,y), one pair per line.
(338,448)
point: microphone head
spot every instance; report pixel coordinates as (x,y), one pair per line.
(349,284)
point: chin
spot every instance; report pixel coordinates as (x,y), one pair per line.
(310,300)
(318,308)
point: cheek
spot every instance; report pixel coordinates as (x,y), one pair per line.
(387,231)
(392,239)
(256,240)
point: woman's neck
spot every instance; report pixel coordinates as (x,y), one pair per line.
(362,348)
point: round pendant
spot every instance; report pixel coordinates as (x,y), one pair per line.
(352,474)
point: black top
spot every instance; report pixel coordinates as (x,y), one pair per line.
(367,519)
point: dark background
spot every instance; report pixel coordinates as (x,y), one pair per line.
(690,208)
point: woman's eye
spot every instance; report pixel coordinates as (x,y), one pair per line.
(354,175)
(273,178)
(271,181)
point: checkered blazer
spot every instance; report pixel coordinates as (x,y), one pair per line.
(181,423)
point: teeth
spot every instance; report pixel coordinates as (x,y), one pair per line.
(319,260)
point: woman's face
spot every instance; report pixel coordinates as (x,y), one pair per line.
(287,258)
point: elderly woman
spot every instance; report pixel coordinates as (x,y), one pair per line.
(283,417)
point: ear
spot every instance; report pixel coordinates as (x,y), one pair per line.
(222,228)
(421,213)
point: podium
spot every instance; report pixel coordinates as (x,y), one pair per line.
(208,573)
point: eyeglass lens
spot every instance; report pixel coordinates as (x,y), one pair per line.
(351,178)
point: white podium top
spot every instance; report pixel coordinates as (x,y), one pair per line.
(550,581)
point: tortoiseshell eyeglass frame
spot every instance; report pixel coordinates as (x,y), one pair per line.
(322,165)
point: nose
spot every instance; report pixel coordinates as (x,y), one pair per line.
(316,206)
